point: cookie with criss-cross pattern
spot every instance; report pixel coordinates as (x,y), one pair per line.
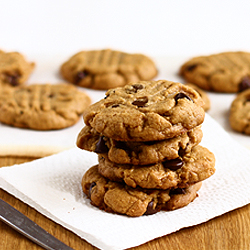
(193,167)
(240,113)
(138,153)
(42,106)
(146,111)
(224,72)
(119,198)
(14,69)
(105,69)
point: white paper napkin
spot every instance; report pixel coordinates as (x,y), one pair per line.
(25,142)
(52,186)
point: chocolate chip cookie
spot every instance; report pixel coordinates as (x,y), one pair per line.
(105,69)
(42,106)
(146,111)
(119,198)
(138,153)
(240,113)
(223,72)
(193,167)
(14,69)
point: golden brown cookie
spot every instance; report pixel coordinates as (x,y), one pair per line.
(146,111)
(138,153)
(193,167)
(119,198)
(223,72)
(105,69)
(203,95)
(42,106)
(14,69)
(240,113)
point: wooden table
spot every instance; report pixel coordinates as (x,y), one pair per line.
(227,232)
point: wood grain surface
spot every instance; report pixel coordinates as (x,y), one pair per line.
(227,232)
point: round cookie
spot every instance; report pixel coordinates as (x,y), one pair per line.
(14,69)
(122,199)
(193,167)
(146,111)
(224,72)
(138,153)
(203,95)
(239,117)
(105,69)
(42,106)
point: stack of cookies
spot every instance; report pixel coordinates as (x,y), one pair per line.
(147,136)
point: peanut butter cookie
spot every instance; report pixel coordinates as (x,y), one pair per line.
(42,106)
(146,111)
(14,69)
(193,167)
(240,113)
(119,198)
(224,72)
(138,153)
(105,69)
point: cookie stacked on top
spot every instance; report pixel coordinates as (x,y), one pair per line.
(147,136)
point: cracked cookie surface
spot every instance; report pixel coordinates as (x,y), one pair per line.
(119,198)
(14,68)
(138,153)
(224,72)
(193,167)
(105,69)
(146,110)
(42,106)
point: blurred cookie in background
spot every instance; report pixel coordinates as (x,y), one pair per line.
(105,69)
(42,106)
(239,116)
(227,72)
(14,69)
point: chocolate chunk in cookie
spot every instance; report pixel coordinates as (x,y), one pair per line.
(193,167)
(119,198)
(42,106)
(223,72)
(138,153)
(157,110)
(105,69)
(14,69)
